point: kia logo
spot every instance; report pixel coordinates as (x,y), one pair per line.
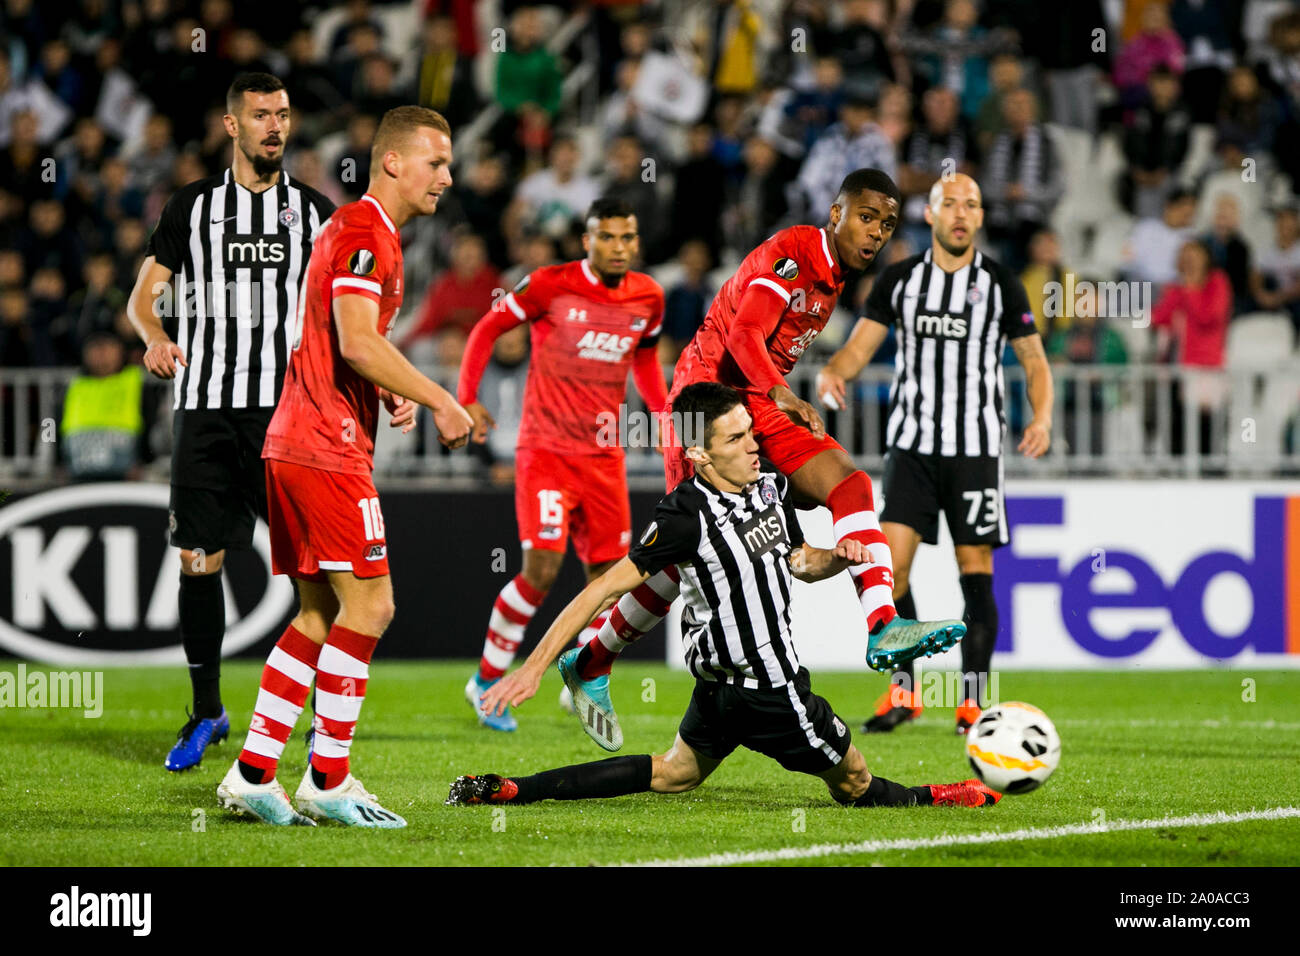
(93,580)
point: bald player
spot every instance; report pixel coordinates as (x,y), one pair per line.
(953,309)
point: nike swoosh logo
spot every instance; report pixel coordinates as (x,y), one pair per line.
(227,219)
(985,529)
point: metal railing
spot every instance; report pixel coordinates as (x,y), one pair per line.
(1115,421)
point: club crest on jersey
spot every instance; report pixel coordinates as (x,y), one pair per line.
(767,491)
(786,268)
(290,217)
(974,296)
(362,262)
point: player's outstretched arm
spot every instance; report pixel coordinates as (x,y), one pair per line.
(817,564)
(517,687)
(848,363)
(1038,384)
(378,361)
(161,353)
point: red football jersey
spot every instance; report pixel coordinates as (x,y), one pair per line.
(327,413)
(584,335)
(797,265)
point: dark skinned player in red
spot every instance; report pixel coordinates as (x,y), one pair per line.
(762,319)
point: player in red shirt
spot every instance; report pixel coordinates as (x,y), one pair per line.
(591,321)
(760,322)
(327,530)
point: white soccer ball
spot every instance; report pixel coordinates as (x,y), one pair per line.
(1013,747)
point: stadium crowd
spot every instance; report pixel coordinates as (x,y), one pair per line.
(1158,148)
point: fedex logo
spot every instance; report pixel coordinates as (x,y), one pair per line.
(1271,574)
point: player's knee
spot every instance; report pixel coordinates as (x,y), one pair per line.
(199,561)
(669,777)
(541,568)
(852,785)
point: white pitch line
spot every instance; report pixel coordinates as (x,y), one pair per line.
(969,839)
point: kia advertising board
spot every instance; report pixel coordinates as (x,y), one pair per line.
(1104,574)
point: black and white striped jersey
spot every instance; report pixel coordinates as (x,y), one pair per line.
(947,396)
(237,259)
(733,554)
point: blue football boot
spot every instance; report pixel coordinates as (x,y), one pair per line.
(195,737)
(902,640)
(591,702)
(474,690)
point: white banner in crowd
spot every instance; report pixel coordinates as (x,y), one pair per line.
(1100,574)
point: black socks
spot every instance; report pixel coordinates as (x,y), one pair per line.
(981,619)
(886,793)
(904,675)
(602,778)
(202,607)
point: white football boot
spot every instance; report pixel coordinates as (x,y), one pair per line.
(348,803)
(263,801)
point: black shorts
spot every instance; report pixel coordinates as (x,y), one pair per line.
(967,490)
(790,724)
(218,484)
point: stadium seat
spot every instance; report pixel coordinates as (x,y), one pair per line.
(1260,404)
(1259,338)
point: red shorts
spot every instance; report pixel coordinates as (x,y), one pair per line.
(323,521)
(780,441)
(580,496)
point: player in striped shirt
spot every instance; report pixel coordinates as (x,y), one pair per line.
(762,319)
(954,310)
(733,535)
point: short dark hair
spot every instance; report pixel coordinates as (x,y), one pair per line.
(873,180)
(697,407)
(250,83)
(608,207)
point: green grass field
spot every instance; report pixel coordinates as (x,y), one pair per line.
(1136,747)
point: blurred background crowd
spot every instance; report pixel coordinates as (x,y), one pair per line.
(1147,143)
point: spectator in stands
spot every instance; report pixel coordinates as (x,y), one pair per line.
(859,42)
(622,114)
(856,141)
(150,162)
(305,165)
(103,421)
(13,271)
(49,242)
(1204,29)
(117,198)
(1063,39)
(315,96)
(15,328)
(1151,253)
(1157,44)
(24,171)
(445,77)
(129,237)
(358,15)
(501,391)
(1275,284)
(894,114)
(1043,274)
(1191,323)
(761,204)
(1248,114)
(61,77)
(726,37)
(1191,316)
(559,193)
(79,158)
(1086,339)
(699,190)
(376,90)
(1006,74)
(1229,252)
(955,53)
(363,40)
(942,143)
(1155,144)
(95,307)
(457,299)
(1022,179)
(527,85)
(52,340)
(686,302)
(632,178)
(813,109)
(353,163)
(484,195)
(529,253)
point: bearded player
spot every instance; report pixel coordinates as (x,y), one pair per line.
(327,529)
(591,321)
(762,319)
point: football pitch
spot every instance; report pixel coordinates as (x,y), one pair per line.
(1158,768)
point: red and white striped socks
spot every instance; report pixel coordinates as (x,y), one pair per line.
(628,621)
(513,609)
(341,674)
(286,681)
(853,511)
